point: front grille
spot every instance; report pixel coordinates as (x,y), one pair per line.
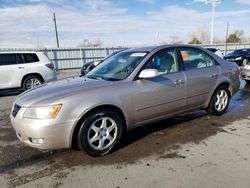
(15,110)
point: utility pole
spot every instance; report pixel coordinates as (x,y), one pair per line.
(212,23)
(57,40)
(226,38)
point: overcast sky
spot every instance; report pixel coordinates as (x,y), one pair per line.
(29,23)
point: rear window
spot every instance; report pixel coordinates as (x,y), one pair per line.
(7,59)
(30,58)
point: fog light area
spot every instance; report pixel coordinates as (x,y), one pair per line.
(36,140)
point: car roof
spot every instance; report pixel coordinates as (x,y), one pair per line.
(151,48)
(17,52)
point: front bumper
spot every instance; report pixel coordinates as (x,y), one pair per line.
(54,135)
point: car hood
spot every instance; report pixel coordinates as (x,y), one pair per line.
(51,93)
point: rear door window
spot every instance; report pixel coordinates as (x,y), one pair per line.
(30,58)
(195,59)
(7,59)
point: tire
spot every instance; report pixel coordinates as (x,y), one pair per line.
(219,101)
(31,82)
(247,81)
(105,128)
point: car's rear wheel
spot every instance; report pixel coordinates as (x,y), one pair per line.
(31,82)
(100,133)
(219,101)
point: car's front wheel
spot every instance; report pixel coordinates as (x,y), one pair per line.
(219,101)
(100,133)
(31,82)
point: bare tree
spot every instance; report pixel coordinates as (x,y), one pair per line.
(175,40)
(236,37)
(202,35)
(88,43)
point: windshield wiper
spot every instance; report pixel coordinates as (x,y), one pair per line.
(92,77)
(102,78)
(96,77)
(112,79)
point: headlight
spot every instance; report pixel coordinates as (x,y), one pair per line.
(46,112)
(238,58)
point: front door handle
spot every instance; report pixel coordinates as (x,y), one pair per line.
(21,67)
(179,82)
(212,75)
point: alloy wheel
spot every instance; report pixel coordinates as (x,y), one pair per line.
(102,133)
(221,100)
(32,83)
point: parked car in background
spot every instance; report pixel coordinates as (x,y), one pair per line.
(89,66)
(92,64)
(25,69)
(245,72)
(130,89)
(240,57)
(216,51)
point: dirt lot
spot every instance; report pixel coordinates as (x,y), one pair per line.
(193,150)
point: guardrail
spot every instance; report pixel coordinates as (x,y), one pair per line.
(74,58)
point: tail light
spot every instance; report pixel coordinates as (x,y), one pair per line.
(50,66)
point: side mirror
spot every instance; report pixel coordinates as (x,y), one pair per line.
(149,73)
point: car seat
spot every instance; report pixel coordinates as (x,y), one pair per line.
(166,63)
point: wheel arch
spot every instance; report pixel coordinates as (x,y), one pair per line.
(225,84)
(85,115)
(32,74)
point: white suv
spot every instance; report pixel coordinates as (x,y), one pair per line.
(25,69)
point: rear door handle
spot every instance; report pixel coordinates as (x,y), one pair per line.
(21,67)
(179,82)
(212,75)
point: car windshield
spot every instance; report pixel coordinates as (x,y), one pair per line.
(117,67)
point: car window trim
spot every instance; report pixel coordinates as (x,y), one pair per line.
(21,56)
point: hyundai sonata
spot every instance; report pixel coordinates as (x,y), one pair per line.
(130,89)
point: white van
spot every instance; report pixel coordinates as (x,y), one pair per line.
(25,69)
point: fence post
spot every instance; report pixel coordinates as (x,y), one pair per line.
(83,56)
(55,58)
(107,51)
